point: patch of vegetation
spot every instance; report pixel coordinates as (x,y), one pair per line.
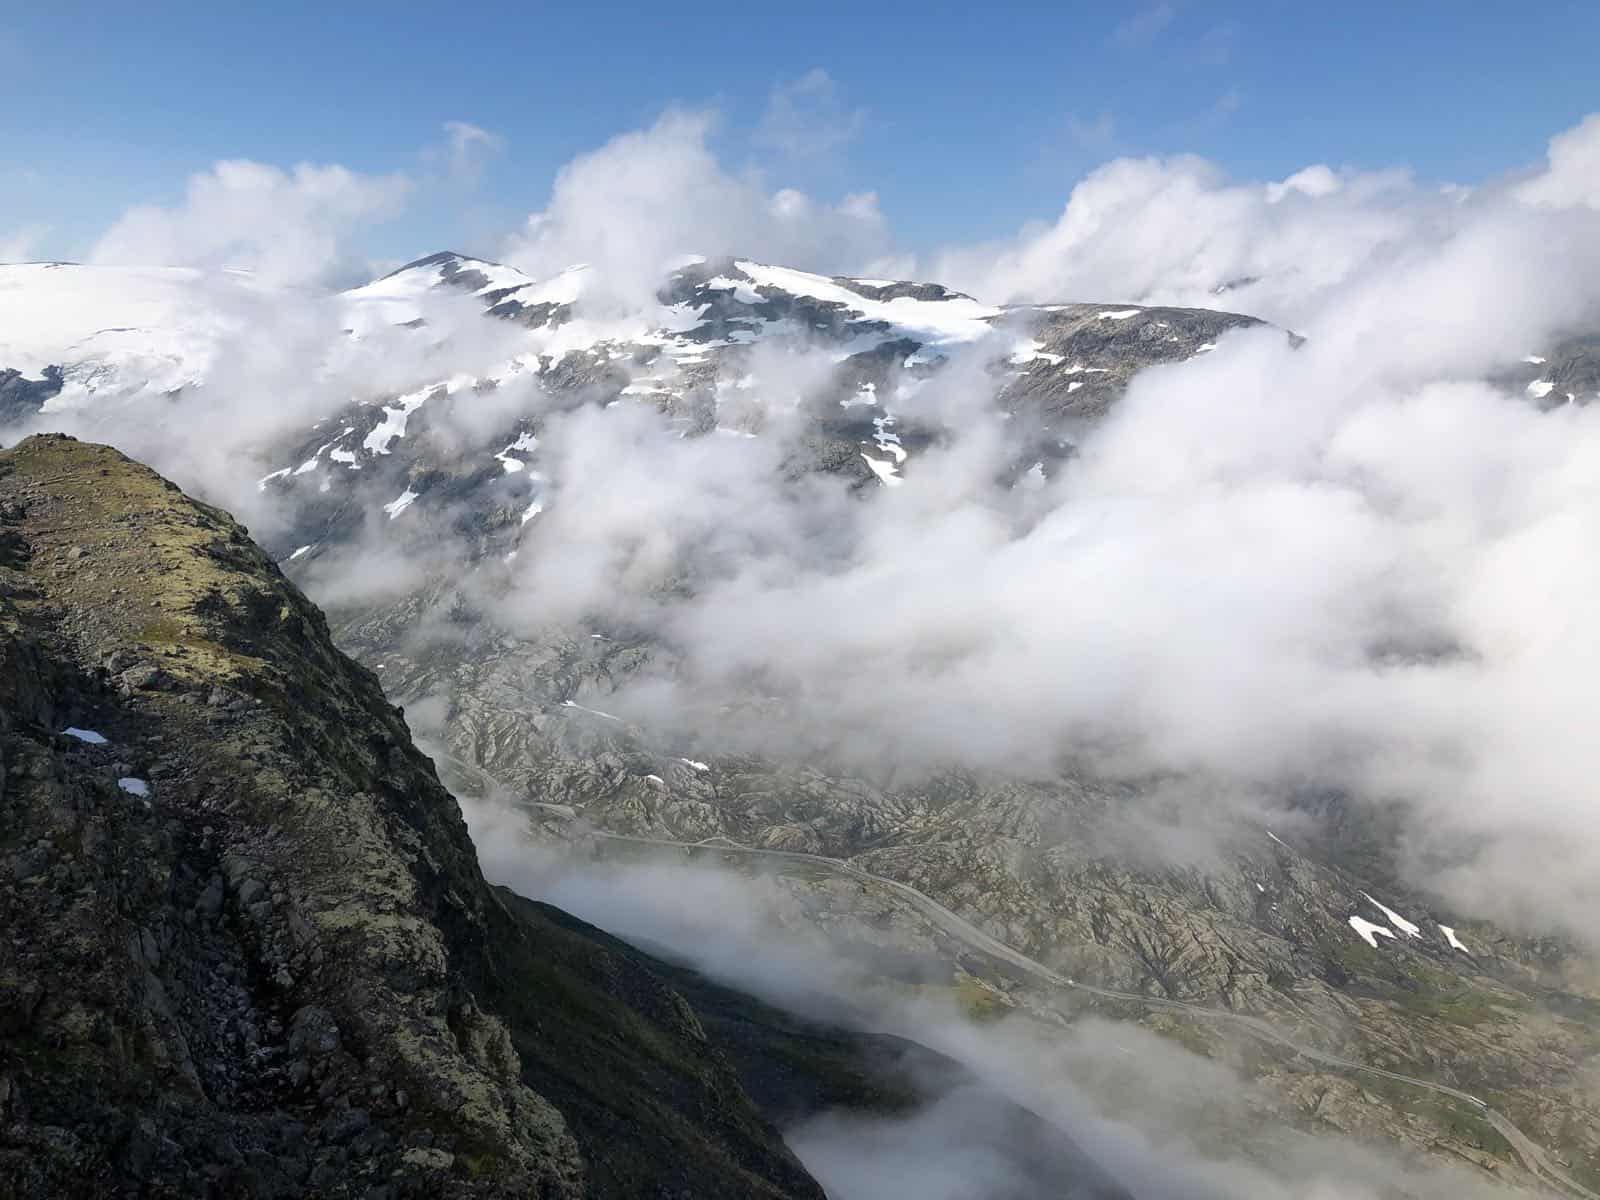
(978,1000)
(1187,1034)
(1462,1007)
(809,872)
(1459,1119)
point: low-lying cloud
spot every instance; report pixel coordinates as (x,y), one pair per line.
(1353,561)
(1356,561)
(1160,1121)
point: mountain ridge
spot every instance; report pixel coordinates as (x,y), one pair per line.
(272,965)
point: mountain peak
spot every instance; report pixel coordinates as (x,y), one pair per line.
(437,259)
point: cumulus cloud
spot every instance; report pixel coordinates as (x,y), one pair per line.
(1173,231)
(1352,561)
(647,198)
(288,227)
(1179,231)
(1316,180)
(1572,178)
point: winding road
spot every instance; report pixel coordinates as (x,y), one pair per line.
(1534,1157)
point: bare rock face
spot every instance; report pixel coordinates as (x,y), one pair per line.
(20,395)
(245,946)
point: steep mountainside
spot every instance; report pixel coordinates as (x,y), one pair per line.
(247,942)
(247,948)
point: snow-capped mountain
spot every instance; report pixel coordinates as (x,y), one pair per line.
(81,334)
(719,351)
(725,348)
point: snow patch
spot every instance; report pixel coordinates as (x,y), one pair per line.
(741,289)
(1455,942)
(698,766)
(85,735)
(951,320)
(888,443)
(1118,314)
(594,712)
(525,442)
(1540,388)
(564,288)
(866,395)
(1025,352)
(396,415)
(886,472)
(1366,930)
(400,503)
(1396,919)
(134,787)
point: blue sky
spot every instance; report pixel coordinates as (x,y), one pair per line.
(966,119)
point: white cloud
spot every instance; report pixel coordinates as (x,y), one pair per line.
(1317,180)
(807,117)
(1353,561)
(289,227)
(646,198)
(1572,174)
(1172,230)
(468,150)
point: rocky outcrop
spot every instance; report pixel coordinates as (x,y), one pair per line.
(20,396)
(245,946)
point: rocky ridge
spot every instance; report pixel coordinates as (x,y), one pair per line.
(247,948)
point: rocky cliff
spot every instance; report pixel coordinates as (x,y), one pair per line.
(247,948)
